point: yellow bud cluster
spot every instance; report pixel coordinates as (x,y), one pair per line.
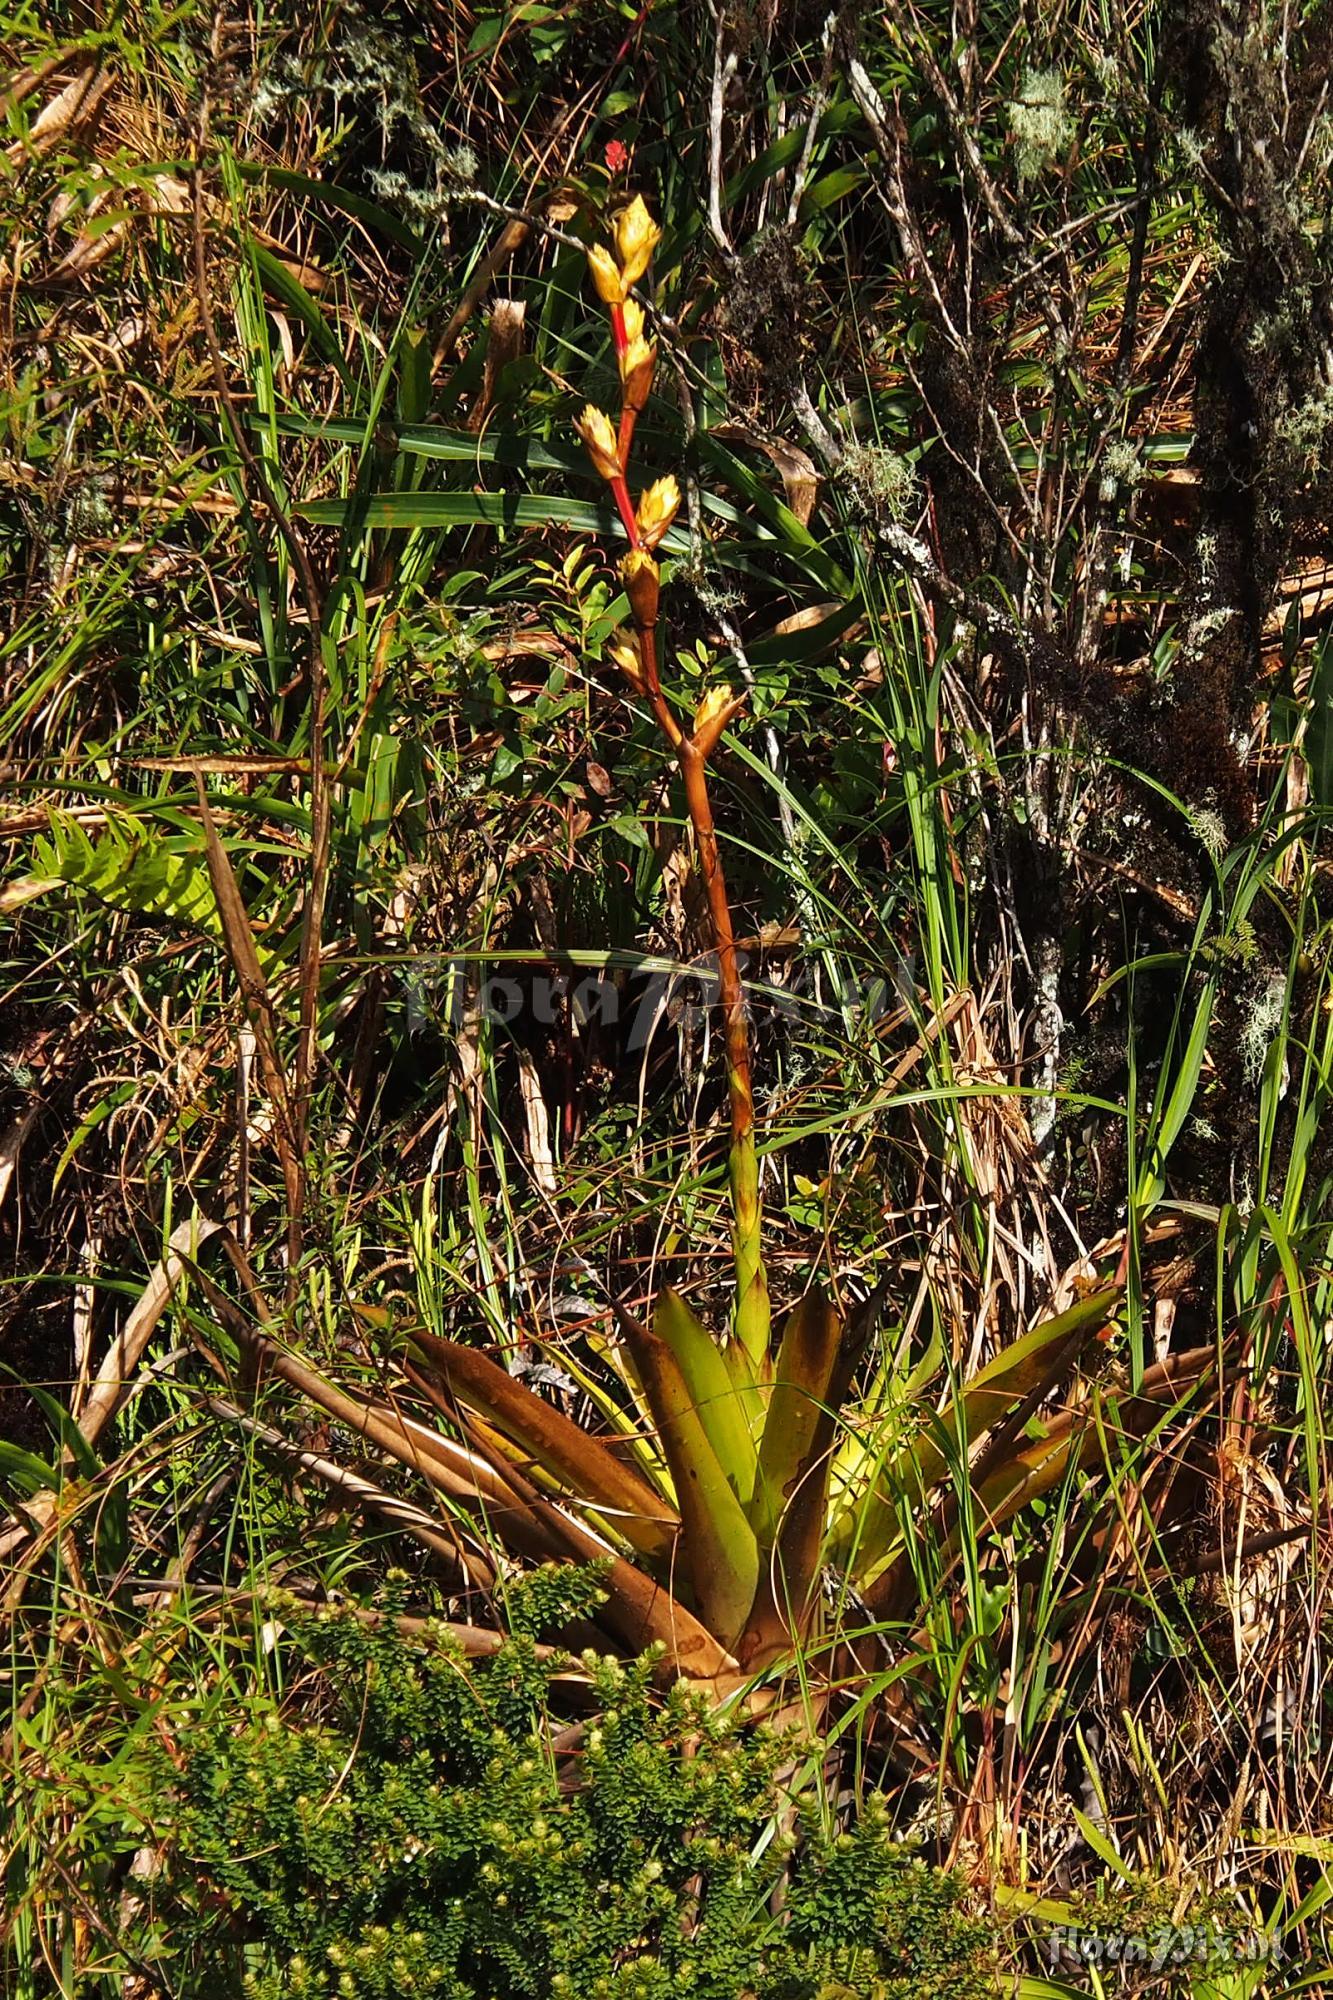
(623,651)
(606,276)
(715,703)
(658,507)
(636,373)
(718,707)
(636,237)
(598,434)
(615,272)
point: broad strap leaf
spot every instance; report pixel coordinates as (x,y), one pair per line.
(814,1368)
(870,1528)
(1013,1374)
(583,1464)
(807,1355)
(719,1556)
(712,1384)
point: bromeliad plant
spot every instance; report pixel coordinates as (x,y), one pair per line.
(731,1476)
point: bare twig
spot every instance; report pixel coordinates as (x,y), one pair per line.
(724,68)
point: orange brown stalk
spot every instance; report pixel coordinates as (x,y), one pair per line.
(614,276)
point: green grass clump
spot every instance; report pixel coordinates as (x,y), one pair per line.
(415,1833)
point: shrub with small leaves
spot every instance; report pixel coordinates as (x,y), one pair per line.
(410,1831)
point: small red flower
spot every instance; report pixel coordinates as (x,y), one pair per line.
(617,156)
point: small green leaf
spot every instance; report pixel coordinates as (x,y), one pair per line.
(630,828)
(486,34)
(24,1471)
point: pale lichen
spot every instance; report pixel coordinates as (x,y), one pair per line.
(1121,468)
(885,481)
(1262,1021)
(1040,122)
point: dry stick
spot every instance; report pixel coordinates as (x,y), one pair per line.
(144,1975)
(723,72)
(917,49)
(912,552)
(112,1381)
(24,81)
(74,106)
(1096,593)
(817,105)
(915,253)
(1215,1560)
(312,916)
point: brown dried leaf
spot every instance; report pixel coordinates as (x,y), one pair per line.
(799,474)
(70,108)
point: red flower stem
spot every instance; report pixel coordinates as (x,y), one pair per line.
(627,514)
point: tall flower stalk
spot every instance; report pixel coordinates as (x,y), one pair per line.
(615,272)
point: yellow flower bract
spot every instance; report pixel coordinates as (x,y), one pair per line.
(625,654)
(606,275)
(598,434)
(636,372)
(643,580)
(658,507)
(637,236)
